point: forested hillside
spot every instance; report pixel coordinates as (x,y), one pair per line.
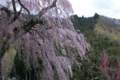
(108,27)
(103,35)
(95,35)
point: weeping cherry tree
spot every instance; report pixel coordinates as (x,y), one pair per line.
(42,28)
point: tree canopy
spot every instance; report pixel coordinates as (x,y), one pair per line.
(42,28)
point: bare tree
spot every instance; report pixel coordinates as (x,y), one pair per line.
(24,21)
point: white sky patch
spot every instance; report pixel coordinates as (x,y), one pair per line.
(87,8)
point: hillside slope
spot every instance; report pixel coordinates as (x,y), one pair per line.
(103,35)
(101,32)
(108,27)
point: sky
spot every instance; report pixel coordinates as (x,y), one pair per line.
(87,8)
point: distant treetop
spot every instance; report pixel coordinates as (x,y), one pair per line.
(96,16)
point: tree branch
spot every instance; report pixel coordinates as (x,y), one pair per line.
(16,13)
(15,17)
(7,11)
(44,10)
(27,27)
(24,7)
(14,7)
